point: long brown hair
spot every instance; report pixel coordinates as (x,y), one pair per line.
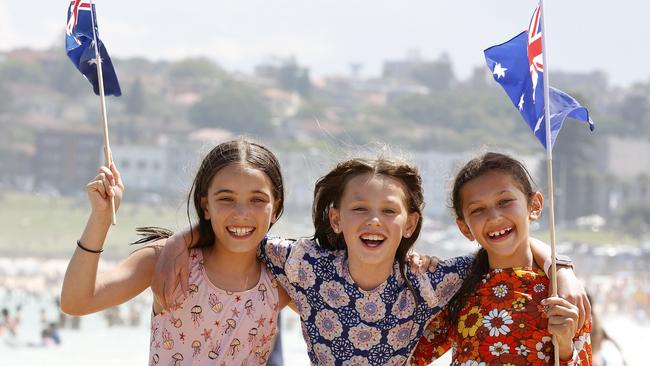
(329,190)
(227,153)
(473,169)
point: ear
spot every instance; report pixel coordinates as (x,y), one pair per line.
(204,206)
(411,223)
(335,219)
(536,205)
(465,229)
(276,207)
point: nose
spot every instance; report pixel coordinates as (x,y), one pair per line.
(494,214)
(240,210)
(373,219)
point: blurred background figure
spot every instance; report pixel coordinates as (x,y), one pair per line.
(50,335)
(605,350)
(8,324)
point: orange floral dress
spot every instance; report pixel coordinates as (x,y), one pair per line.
(501,324)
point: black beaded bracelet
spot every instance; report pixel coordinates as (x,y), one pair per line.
(88,250)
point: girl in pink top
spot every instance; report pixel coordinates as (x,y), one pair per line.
(215,324)
(230,314)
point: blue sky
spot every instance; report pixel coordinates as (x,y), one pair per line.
(327,35)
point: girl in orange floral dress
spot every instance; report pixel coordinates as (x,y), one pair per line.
(501,315)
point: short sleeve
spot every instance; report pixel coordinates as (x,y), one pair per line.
(437,287)
(274,252)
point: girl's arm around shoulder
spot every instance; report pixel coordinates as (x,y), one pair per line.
(85,291)
(275,251)
(442,280)
(456,265)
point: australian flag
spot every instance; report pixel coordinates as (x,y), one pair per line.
(518,66)
(79,44)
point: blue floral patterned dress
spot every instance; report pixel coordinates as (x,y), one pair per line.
(345,325)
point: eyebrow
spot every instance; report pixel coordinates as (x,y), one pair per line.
(474,202)
(257,191)
(358,199)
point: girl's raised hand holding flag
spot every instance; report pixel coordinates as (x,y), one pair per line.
(107,183)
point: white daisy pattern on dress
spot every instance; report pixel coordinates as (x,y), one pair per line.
(497,322)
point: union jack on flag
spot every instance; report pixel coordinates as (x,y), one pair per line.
(517,66)
(80,34)
(75,8)
(535,56)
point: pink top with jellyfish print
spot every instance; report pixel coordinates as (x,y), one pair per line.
(216,327)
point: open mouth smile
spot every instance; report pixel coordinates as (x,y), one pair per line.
(372,240)
(500,234)
(240,231)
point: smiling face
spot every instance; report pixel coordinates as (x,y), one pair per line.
(497,214)
(240,207)
(373,217)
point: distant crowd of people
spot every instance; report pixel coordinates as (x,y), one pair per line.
(22,284)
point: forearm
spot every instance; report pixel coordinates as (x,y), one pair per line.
(81,275)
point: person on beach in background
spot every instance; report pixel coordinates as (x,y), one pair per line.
(606,351)
(357,300)
(500,315)
(230,314)
(8,323)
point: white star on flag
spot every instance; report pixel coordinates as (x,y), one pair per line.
(93,61)
(521,102)
(499,71)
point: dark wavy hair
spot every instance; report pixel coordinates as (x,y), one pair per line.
(329,190)
(227,153)
(473,169)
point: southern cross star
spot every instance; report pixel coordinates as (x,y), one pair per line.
(499,71)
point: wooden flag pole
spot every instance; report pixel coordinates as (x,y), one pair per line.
(549,172)
(108,156)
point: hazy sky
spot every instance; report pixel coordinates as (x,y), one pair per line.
(327,35)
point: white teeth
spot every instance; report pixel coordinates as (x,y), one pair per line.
(496,233)
(240,231)
(372,237)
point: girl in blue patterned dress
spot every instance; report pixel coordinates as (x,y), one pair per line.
(358,303)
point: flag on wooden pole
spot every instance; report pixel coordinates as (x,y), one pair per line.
(520,66)
(88,54)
